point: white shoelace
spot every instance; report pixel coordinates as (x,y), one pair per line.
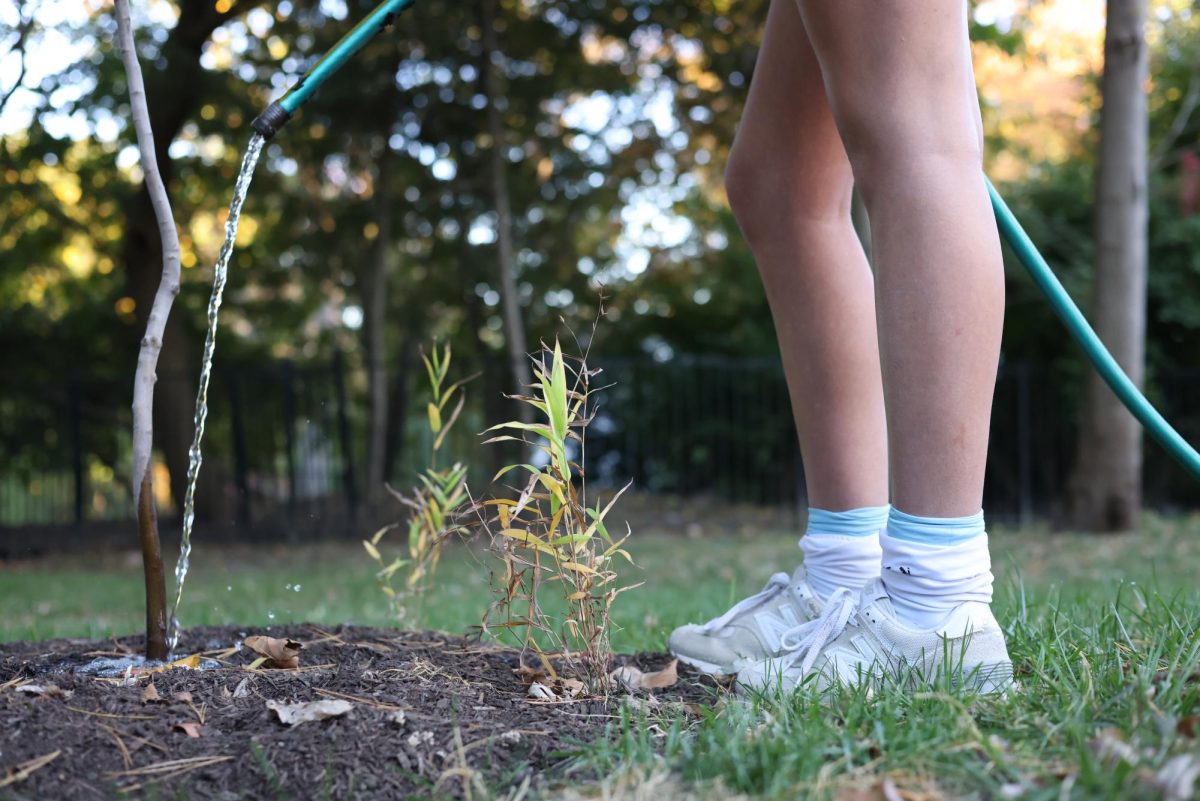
(805,642)
(775,585)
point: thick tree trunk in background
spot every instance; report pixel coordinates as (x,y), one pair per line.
(492,374)
(375,310)
(1105,488)
(514,324)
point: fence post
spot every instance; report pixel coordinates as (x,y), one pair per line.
(238,431)
(339,383)
(1024,444)
(289,433)
(77,445)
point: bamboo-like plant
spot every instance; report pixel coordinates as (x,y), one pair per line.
(549,538)
(436,506)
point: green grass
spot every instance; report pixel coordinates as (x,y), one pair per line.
(1102,630)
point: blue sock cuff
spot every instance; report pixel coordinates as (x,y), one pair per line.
(934,530)
(861,522)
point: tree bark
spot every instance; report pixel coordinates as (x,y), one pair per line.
(514,324)
(143,385)
(375,311)
(1105,488)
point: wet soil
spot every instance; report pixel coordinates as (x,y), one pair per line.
(430,715)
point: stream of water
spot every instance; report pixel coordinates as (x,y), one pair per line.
(210,342)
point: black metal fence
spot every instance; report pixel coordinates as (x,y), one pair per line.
(286,443)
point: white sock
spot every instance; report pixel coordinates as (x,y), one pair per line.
(932,564)
(841,549)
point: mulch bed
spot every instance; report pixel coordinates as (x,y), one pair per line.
(466,717)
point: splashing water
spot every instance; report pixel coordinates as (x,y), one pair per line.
(210,342)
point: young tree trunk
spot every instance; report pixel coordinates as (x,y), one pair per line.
(1105,488)
(143,387)
(178,91)
(375,309)
(514,325)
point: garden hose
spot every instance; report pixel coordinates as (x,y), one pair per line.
(1078,326)
(279,112)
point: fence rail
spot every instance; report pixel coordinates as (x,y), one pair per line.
(285,442)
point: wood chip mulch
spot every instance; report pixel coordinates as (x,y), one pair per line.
(428,715)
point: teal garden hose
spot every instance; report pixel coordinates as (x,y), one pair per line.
(1078,326)
(279,112)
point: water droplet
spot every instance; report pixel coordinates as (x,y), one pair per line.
(228,588)
(271,615)
(297,588)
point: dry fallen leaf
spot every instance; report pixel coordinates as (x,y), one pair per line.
(570,688)
(183,697)
(541,692)
(150,694)
(631,678)
(528,675)
(242,689)
(308,711)
(45,691)
(190,728)
(281,654)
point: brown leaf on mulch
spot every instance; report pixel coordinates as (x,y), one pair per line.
(630,678)
(150,695)
(528,675)
(45,691)
(191,728)
(308,711)
(280,654)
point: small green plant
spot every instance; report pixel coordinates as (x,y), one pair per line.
(549,538)
(436,506)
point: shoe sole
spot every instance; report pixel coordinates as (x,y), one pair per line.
(709,668)
(986,678)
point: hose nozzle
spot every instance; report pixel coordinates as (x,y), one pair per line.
(271,120)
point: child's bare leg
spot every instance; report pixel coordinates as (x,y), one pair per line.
(899,79)
(789,184)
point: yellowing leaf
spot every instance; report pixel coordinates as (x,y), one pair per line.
(282,654)
(371,549)
(435,418)
(631,678)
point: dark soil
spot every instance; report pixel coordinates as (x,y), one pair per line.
(466,718)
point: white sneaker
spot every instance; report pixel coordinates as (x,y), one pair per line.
(857,638)
(752,630)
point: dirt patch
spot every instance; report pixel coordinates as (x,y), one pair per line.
(420,715)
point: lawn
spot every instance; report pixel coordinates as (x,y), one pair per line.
(1102,630)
